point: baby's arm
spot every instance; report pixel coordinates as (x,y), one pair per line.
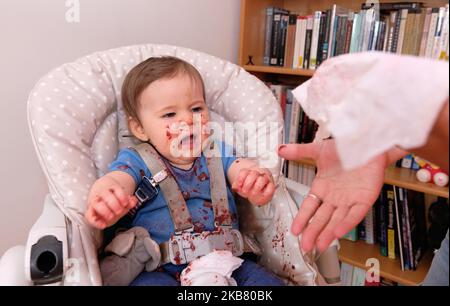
(251,182)
(110,198)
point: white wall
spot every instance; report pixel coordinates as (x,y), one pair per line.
(35,37)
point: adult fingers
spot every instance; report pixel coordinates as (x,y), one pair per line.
(352,219)
(315,227)
(328,234)
(299,151)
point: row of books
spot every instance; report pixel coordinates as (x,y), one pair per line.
(300,41)
(355,276)
(397,223)
(298,128)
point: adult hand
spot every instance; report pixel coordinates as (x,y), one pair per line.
(346,196)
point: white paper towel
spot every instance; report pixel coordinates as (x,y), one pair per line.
(373,101)
(214,269)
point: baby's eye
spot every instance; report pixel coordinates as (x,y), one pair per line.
(169,115)
(197,109)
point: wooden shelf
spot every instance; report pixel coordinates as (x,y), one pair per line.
(279,70)
(356,254)
(404,178)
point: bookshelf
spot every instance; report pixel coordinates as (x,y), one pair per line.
(404,178)
(251,58)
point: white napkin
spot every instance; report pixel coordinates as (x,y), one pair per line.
(214,269)
(373,101)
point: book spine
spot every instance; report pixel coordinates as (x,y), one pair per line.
(431,32)
(355,28)
(275,39)
(393,6)
(368,29)
(331,36)
(399,226)
(401,32)
(315,40)
(381,36)
(308,40)
(369,225)
(437,34)
(383,224)
(396,33)
(418,31)
(283,36)
(348,34)
(326,38)
(290,41)
(322,28)
(407,245)
(298,32)
(304,23)
(390,197)
(268,36)
(426,28)
(443,45)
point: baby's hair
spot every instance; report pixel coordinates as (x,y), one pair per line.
(149,71)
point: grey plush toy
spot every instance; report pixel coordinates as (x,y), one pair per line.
(128,254)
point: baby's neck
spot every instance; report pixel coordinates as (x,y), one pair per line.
(183,166)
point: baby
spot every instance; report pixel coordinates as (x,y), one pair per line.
(160,95)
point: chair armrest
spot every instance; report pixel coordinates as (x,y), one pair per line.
(12,271)
(46,251)
(328,262)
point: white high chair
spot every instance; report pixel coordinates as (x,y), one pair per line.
(76,121)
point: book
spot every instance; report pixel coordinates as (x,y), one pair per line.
(411,6)
(382,221)
(290,41)
(358,277)
(431,32)
(315,40)
(398,213)
(346,274)
(283,37)
(391,224)
(300,37)
(425,30)
(335,11)
(268,35)
(369,223)
(308,42)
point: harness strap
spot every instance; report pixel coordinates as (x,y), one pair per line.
(219,197)
(177,206)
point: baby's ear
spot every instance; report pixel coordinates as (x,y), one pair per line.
(136,129)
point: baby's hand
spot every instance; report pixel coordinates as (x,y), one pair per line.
(255,184)
(109,205)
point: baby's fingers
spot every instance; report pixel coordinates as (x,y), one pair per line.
(120,195)
(249,182)
(94,220)
(102,210)
(260,184)
(132,201)
(237,184)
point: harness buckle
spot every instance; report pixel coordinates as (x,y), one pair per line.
(147,190)
(188,246)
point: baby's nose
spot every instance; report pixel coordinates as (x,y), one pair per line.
(187,118)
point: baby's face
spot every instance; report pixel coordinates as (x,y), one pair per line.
(173,115)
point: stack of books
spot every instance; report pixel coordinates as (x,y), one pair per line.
(305,41)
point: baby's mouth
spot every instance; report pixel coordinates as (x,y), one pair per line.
(188,139)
